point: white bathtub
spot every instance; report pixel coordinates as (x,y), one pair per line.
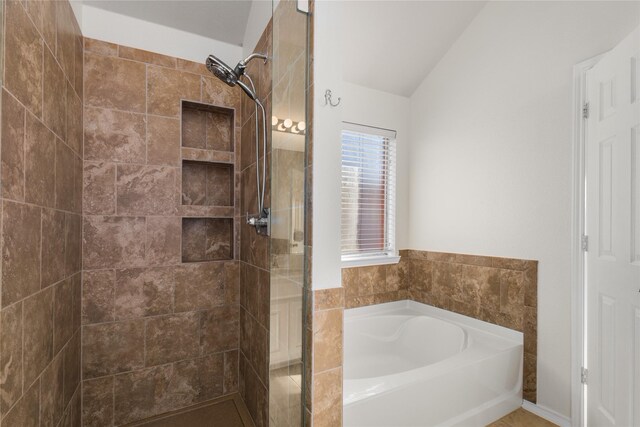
(410,364)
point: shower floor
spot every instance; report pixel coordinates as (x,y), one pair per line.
(228,411)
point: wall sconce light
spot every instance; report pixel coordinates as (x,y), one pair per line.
(288,126)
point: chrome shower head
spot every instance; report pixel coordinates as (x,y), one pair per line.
(221,70)
(229,75)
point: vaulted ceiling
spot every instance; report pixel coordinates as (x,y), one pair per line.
(220,20)
(393,45)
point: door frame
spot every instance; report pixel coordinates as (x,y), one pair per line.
(578,255)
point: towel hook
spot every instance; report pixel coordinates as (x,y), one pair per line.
(328,100)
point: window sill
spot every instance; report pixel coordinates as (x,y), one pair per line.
(370,261)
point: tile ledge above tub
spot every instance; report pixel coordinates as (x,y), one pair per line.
(370,261)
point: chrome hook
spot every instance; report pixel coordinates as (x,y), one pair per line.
(328,100)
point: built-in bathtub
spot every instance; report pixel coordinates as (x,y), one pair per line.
(410,364)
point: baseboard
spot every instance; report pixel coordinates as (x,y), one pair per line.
(547,414)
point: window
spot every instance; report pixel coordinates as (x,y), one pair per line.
(368,195)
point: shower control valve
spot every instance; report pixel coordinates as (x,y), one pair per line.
(262,223)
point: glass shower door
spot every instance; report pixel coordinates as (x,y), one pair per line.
(287,151)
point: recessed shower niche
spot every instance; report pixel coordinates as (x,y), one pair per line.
(208,182)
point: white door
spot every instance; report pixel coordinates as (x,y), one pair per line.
(613,227)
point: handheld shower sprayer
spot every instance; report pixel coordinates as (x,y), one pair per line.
(232,76)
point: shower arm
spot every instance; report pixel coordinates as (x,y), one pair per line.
(242,65)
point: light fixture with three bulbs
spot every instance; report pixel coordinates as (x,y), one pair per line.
(288,126)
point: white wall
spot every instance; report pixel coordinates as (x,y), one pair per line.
(259,15)
(388,111)
(491,151)
(115,28)
(326,272)
(359,105)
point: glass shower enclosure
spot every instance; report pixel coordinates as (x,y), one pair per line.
(287,242)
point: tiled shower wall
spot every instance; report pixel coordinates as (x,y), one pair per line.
(254,249)
(40,190)
(502,291)
(158,333)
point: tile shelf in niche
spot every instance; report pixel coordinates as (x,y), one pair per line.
(199,211)
(200,155)
(207,127)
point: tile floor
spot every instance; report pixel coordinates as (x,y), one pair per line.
(229,411)
(521,418)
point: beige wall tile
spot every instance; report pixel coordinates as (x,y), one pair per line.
(162,242)
(324,299)
(327,339)
(37,334)
(230,382)
(43,14)
(114,83)
(12,148)
(99,184)
(40,172)
(112,135)
(23,58)
(26,411)
(199,286)
(52,402)
(327,398)
(65,37)
(110,348)
(53,247)
(11,356)
(100,47)
(113,242)
(146,56)
(71,361)
(141,292)
(171,338)
(163,141)
(65,177)
(145,190)
(73,121)
(166,87)
(62,314)
(219,329)
(215,92)
(73,243)
(20,251)
(98,296)
(97,398)
(54,85)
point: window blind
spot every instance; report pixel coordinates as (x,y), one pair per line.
(368,191)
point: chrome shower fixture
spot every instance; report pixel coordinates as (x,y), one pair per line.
(232,76)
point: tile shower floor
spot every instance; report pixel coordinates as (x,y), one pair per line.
(229,411)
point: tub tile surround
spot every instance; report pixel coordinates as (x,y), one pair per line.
(325,336)
(158,334)
(40,214)
(502,291)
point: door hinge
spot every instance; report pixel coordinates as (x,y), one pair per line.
(585,110)
(584,375)
(584,243)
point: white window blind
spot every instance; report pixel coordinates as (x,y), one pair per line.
(368,192)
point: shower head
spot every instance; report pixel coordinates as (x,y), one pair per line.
(221,70)
(229,75)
